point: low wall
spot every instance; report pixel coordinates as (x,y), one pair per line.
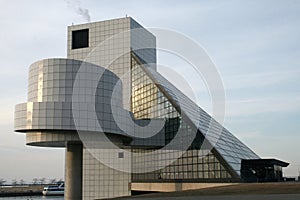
(172,187)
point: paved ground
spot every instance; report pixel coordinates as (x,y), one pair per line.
(260,191)
(226,197)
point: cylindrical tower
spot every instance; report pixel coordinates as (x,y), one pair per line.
(54,114)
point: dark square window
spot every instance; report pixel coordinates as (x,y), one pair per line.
(80,39)
(121,154)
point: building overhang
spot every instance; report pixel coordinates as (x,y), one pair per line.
(265,162)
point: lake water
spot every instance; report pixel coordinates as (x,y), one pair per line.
(33,198)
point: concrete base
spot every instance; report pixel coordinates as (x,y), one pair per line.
(172,187)
(73,189)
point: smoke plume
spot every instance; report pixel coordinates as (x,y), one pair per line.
(76,6)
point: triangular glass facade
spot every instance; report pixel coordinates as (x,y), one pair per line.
(149,101)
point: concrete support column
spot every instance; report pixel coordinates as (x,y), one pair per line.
(73,189)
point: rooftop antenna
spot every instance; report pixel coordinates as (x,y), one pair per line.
(72,23)
(126,15)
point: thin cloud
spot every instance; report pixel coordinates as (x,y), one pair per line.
(255,106)
(254,80)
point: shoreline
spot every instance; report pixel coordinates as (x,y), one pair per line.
(24,190)
(19,194)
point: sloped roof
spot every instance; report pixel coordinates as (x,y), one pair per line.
(225,144)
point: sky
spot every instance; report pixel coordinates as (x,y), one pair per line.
(254,45)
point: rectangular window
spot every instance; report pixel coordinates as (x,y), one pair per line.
(80,39)
(121,154)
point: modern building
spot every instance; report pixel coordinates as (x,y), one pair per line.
(104,102)
(262,170)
